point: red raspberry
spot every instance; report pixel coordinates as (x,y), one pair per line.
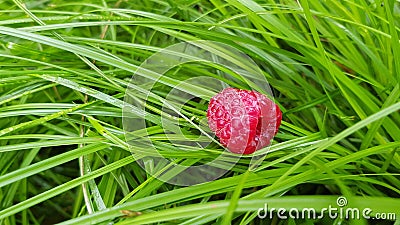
(244,121)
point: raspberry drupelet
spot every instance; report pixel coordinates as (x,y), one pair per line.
(243,120)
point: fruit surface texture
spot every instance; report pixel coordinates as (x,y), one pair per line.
(243,120)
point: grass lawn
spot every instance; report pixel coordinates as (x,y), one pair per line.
(103,111)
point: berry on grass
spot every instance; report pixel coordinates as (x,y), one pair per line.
(243,120)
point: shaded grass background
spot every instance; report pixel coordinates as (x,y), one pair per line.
(333,65)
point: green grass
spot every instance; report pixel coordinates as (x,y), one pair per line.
(66,66)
